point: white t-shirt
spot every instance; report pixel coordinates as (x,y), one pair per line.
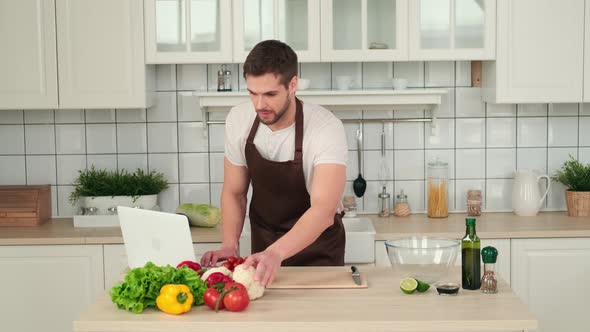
(324,139)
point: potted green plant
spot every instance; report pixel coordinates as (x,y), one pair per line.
(576,177)
(104,190)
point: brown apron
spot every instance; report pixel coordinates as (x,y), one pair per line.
(280,198)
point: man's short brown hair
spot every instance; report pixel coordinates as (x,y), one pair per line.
(272,56)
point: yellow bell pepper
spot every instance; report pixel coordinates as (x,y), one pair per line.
(175,299)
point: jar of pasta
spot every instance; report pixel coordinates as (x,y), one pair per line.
(438,173)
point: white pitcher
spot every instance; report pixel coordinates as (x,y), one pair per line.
(526,196)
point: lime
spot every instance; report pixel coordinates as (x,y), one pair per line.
(422,286)
(408,285)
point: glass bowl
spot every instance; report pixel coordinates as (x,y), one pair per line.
(425,258)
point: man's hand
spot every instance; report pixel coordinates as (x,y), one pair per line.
(267,264)
(210,258)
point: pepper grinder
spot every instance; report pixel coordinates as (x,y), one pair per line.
(221,79)
(384,207)
(227,79)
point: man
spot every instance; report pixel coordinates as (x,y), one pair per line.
(294,154)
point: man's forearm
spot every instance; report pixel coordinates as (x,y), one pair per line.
(233,211)
(305,231)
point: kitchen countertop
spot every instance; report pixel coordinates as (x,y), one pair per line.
(489,225)
(380,307)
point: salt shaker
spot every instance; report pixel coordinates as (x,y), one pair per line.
(384,208)
(489,283)
(227,79)
(221,79)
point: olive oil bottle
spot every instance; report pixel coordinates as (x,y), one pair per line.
(470,253)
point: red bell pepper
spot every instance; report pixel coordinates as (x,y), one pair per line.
(191,265)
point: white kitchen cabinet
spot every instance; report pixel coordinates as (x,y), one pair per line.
(45,288)
(539,53)
(364,30)
(188,31)
(295,22)
(586,96)
(551,277)
(452,29)
(502,264)
(115,260)
(28,64)
(100,49)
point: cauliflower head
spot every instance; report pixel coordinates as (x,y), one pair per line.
(246,278)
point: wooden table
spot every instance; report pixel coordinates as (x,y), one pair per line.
(381,307)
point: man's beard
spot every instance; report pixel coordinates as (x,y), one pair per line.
(278,115)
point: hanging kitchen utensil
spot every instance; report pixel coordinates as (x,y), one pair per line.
(383,167)
(359,185)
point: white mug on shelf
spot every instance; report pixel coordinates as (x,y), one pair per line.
(399,83)
(344,82)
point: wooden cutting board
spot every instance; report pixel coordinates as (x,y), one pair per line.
(316,278)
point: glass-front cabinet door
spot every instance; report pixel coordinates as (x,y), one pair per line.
(188,31)
(452,29)
(364,30)
(295,22)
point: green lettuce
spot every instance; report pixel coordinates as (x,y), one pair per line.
(141,286)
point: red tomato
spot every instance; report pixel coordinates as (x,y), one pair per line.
(236,300)
(210,298)
(237,285)
(227,264)
(232,259)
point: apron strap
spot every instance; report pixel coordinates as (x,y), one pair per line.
(253,130)
(298,131)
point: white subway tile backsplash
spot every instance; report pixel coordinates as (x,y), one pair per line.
(532,158)
(131,138)
(38,116)
(54,212)
(101,138)
(165,163)
(41,170)
(194,193)
(584,155)
(470,133)
(374,161)
(131,115)
(216,167)
(188,107)
(192,77)
(563,109)
(470,163)
(353,69)
(405,114)
(165,108)
(319,74)
(416,194)
(100,116)
(216,196)
(461,189)
(439,73)
(40,139)
(500,163)
(69,116)
(377,75)
(12,170)
(409,164)
(68,167)
(584,109)
(375,114)
(352,168)
(446,109)
(563,131)
(102,161)
(242,86)
(162,137)
(463,73)
(216,138)
(556,197)
(413,71)
(70,138)
(193,167)
(469,103)
(499,195)
(500,110)
(371,135)
(166,77)
(557,156)
(191,137)
(65,208)
(501,132)
(531,109)
(408,135)
(446,134)
(11,117)
(531,132)
(131,162)
(584,133)
(169,199)
(12,139)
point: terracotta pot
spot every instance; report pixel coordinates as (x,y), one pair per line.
(578,203)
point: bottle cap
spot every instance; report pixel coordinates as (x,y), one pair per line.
(489,255)
(383,194)
(470,221)
(402,195)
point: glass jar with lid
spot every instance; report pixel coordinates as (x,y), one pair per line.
(437,189)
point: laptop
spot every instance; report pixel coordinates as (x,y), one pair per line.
(157,237)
